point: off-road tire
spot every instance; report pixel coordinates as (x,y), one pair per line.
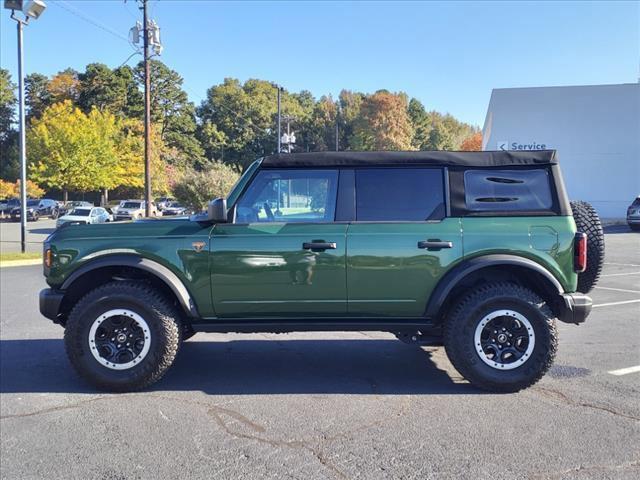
(160,315)
(461,325)
(35,217)
(55,213)
(634,228)
(588,221)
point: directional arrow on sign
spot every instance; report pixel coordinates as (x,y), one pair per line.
(504,146)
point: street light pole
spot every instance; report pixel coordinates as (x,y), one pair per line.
(147,112)
(279,121)
(32,9)
(23,146)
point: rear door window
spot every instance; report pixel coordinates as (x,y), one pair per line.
(399,194)
(507,190)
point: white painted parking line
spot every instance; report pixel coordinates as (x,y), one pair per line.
(625,371)
(616,303)
(618,289)
(620,274)
(622,264)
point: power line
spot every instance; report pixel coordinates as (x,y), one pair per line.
(66,6)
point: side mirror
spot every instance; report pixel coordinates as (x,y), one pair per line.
(217,211)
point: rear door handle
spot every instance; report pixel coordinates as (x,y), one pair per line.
(434,244)
(319,246)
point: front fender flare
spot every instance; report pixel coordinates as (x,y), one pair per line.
(457,273)
(158,270)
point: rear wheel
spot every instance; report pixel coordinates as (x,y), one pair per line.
(588,221)
(122,336)
(501,337)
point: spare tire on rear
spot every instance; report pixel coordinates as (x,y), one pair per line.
(588,221)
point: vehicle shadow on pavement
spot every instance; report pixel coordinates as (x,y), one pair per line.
(608,229)
(252,367)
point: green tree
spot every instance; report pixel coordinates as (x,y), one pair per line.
(440,138)
(37,96)
(71,150)
(244,116)
(173,113)
(9,164)
(113,90)
(197,188)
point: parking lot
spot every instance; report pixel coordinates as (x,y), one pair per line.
(36,233)
(325,405)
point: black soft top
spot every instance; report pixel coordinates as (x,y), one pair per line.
(464,159)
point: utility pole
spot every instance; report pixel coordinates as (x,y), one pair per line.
(279,88)
(147,112)
(337,134)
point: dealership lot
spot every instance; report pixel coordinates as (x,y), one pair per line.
(36,233)
(325,405)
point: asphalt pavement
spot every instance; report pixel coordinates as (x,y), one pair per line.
(37,232)
(326,405)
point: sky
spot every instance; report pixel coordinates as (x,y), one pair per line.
(448,55)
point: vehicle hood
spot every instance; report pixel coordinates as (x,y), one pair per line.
(73,218)
(120,232)
(129,210)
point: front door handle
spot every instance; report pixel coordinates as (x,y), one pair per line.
(319,245)
(434,244)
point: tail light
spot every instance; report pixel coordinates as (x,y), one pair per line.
(580,252)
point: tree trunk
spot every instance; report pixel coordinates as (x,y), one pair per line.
(65,195)
(105,197)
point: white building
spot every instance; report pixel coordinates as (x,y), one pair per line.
(595,129)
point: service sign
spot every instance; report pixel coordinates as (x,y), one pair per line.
(505,145)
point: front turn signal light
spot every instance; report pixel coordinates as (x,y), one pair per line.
(47,258)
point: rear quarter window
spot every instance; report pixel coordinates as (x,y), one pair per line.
(507,190)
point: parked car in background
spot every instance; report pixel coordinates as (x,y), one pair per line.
(85,215)
(7,205)
(633,214)
(69,206)
(133,210)
(163,202)
(36,209)
(175,208)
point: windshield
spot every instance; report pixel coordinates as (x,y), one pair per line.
(131,205)
(81,212)
(175,205)
(33,203)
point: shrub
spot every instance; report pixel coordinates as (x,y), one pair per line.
(196,188)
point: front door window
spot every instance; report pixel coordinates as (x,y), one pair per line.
(290,196)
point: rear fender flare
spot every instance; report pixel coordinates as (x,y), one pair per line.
(466,267)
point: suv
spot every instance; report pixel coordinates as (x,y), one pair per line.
(633,214)
(133,210)
(476,251)
(36,209)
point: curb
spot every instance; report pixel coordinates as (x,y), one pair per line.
(21,263)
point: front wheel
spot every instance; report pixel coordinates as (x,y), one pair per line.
(501,337)
(122,336)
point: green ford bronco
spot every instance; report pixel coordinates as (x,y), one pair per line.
(476,251)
